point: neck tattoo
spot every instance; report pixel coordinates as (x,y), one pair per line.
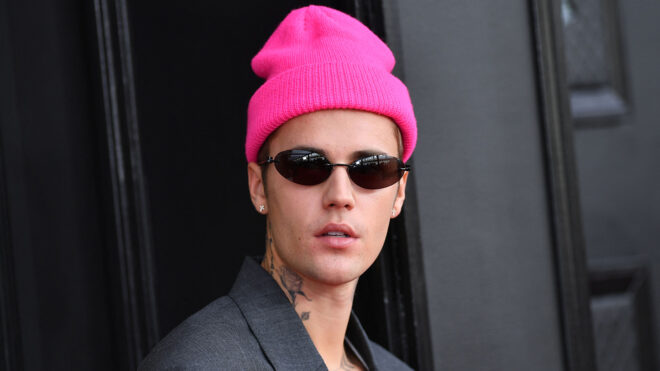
(290,281)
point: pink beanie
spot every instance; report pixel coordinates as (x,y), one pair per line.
(320,58)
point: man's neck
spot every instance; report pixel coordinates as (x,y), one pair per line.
(323,309)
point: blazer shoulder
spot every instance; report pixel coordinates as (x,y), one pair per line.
(206,340)
(386,361)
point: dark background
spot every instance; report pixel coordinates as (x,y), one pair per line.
(50,161)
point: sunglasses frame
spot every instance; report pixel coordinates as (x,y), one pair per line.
(354,165)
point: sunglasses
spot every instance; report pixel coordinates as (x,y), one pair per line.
(310,168)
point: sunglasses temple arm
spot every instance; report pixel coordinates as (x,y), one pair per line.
(266,161)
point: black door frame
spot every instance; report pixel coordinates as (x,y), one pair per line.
(572,281)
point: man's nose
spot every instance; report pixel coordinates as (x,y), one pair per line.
(339,190)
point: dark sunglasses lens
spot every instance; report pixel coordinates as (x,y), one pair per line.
(376,172)
(303,167)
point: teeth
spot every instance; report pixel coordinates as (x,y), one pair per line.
(338,234)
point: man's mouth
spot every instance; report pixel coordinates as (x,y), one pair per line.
(336,230)
(337,235)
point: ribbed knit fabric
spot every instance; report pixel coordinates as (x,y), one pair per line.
(320,58)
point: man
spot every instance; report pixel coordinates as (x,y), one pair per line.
(328,134)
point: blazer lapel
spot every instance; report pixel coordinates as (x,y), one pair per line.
(269,314)
(358,337)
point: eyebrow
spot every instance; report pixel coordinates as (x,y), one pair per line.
(367,153)
(310,149)
(354,156)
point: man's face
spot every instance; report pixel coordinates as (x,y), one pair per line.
(298,215)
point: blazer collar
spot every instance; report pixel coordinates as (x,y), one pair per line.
(278,328)
(274,322)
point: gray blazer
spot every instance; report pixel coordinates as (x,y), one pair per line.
(254,327)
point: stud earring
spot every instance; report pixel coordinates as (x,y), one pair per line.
(393,212)
(262,208)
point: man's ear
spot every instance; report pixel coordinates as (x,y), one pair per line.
(256,185)
(400,195)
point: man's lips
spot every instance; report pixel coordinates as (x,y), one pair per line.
(336,230)
(337,236)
